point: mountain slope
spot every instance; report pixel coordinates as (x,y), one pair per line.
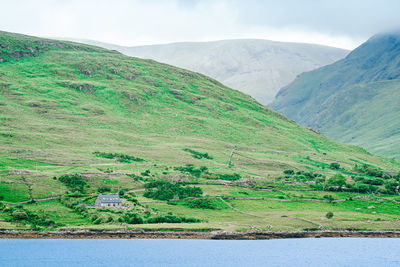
(354,100)
(86,86)
(78,120)
(256,67)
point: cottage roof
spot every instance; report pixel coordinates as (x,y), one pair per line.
(109,198)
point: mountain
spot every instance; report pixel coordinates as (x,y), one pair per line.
(355,100)
(256,67)
(183,151)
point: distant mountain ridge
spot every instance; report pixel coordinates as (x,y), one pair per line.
(256,67)
(355,100)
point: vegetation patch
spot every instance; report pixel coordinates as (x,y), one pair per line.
(202,171)
(229,177)
(74,182)
(191,169)
(198,155)
(202,203)
(36,221)
(123,158)
(172,219)
(165,190)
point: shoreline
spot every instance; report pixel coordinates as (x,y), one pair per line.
(219,235)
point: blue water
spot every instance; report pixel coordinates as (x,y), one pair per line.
(156,252)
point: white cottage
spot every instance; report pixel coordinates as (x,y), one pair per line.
(108,201)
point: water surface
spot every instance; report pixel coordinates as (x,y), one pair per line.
(164,252)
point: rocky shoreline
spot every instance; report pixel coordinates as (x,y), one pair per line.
(219,235)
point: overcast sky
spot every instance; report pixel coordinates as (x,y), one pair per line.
(340,23)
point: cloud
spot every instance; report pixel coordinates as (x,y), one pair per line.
(343,17)
(337,23)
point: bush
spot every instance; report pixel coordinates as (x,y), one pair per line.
(74,182)
(19,215)
(229,177)
(131,218)
(171,219)
(392,187)
(165,190)
(334,166)
(131,197)
(203,203)
(122,192)
(146,173)
(191,169)
(288,172)
(118,156)
(329,215)
(31,218)
(103,189)
(368,170)
(375,181)
(362,188)
(94,217)
(303,175)
(198,155)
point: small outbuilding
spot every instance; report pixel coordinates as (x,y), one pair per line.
(108,201)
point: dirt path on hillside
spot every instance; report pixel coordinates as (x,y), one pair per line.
(230,206)
(35,200)
(308,221)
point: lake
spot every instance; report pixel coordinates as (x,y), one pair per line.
(175,252)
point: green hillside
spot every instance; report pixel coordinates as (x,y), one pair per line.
(355,100)
(258,68)
(77,120)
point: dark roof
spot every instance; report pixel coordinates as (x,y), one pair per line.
(109,198)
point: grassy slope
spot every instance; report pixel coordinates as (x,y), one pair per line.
(61,102)
(354,100)
(256,67)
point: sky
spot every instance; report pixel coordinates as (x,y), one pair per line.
(339,23)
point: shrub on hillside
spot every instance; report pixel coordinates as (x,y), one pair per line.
(27,217)
(171,219)
(131,218)
(123,158)
(145,173)
(329,215)
(229,177)
(337,180)
(198,155)
(334,166)
(165,190)
(288,172)
(191,169)
(368,170)
(104,189)
(392,187)
(202,203)
(74,182)
(19,215)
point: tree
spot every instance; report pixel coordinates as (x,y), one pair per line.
(337,180)
(329,215)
